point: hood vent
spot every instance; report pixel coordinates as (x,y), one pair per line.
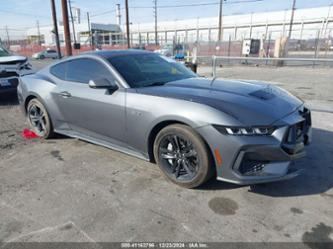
(264,94)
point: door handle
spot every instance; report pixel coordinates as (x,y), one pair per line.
(65,94)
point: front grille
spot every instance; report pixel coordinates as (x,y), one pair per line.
(250,166)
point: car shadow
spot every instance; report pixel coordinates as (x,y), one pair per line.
(317,177)
(7,99)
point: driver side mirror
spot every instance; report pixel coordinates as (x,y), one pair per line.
(102,83)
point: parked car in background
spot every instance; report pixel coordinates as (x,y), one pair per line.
(11,67)
(176,50)
(49,53)
(166,50)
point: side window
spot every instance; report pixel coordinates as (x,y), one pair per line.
(59,70)
(84,70)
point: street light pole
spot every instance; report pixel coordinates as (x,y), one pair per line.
(127,25)
(72,20)
(155,17)
(292,19)
(66,27)
(220,34)
(89,28)
(55,24)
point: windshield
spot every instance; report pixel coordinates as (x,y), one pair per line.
(3,51)
(143,70)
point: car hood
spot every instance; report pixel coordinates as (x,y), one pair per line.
(250,102)
(13,59)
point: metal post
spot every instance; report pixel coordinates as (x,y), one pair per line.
(235,33)
(186,36)
(118,14)
(155,17)
(176,36)
(320,36)
(214,66)
(38,33)
(7,34)
(316,47)
(302,29)
(268,46)
(266,30)
(327,20)
(55,24)
(198,29)
(71,13)
(292,19)
(229,46)
(327,46)
(127,25)
(251,25)
(284,23)
(66,27)
(220,34)
(89,29)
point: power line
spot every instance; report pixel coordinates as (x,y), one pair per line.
(195,4)
(175,6)
(105,12)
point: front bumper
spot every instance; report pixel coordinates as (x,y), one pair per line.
(10,84)
(247,160)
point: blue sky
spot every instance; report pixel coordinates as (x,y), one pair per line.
(21,14)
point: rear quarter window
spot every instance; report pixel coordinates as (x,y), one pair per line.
(59,70)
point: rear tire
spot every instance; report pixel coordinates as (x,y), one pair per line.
(183,156)
(39,120)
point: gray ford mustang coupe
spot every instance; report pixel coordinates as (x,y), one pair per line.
(154,108)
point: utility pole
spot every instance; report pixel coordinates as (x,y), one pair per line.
(55,24)
(38,33)
(66,27)
(71,13)
(89,28)
(220,35)
(127,25)
(155,17)
(8,39)
(118,14)
(251,24)
(292,19)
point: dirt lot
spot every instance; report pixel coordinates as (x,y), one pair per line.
(68,190)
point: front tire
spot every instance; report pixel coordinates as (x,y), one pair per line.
(39,119)
(183,156)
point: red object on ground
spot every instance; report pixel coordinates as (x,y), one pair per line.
(28,134)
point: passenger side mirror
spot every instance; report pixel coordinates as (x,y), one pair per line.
(103,83)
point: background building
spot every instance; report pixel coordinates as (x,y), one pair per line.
(308,24)
(108,34)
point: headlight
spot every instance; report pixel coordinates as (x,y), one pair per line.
(245,131)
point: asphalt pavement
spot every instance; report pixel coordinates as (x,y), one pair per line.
(69,190)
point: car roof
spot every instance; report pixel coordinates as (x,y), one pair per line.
(115,53)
